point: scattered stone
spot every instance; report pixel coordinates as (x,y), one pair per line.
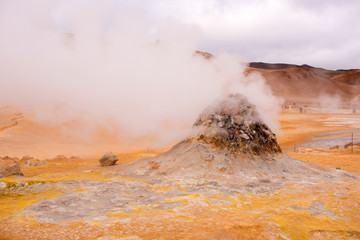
(208,157)
(206,184)
(35,162)
(22,184)
(9,167)
(60,157)
(109,159)
(265,181)
(26,157)
(334,147)
(348,145)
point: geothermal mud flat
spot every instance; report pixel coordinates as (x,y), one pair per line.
(228,180)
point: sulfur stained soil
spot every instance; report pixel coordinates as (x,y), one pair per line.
(76,198)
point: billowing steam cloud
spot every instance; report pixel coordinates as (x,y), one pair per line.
(116,65)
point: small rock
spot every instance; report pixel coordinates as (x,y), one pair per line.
(9,167)
(108,159)
(208,184)
(22,184)
(244,136)
(26,157)
(59,157)
(207,157)
(34,162)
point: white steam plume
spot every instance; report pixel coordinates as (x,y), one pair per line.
(116,64)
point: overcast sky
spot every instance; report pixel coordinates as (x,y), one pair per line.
(323,33)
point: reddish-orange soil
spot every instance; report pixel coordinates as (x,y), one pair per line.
(323,210)
(307,84)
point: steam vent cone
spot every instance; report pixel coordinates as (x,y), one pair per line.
(229,141)
(234,125)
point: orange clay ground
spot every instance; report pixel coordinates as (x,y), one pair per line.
(298,210)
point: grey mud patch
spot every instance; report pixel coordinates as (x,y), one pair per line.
(98,198)
(220,202)
(315,208)
(169,205)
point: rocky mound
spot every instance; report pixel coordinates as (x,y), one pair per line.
(230,142)
(235,125)
(108,159)
(8,167)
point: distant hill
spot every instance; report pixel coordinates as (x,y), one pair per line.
(351,77)
(305,83)
(263,65)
